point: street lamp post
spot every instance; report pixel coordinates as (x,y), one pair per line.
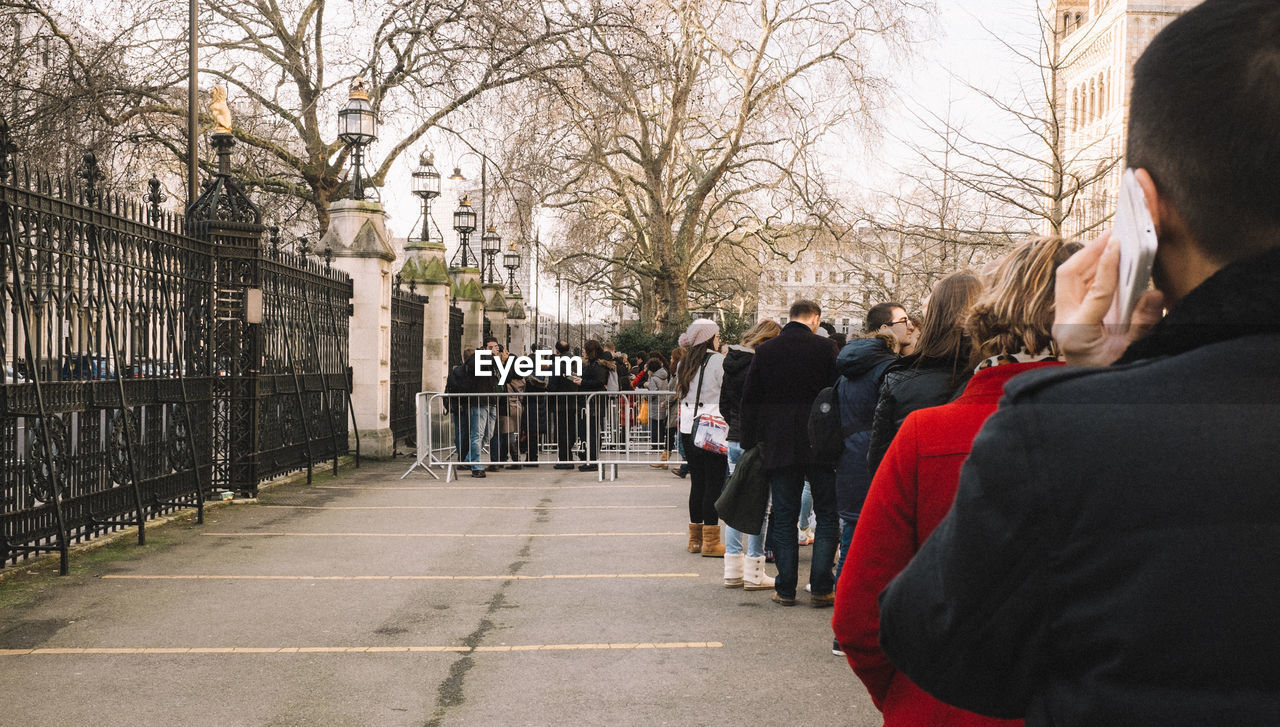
(357,125)
(464,222)
(426,186)
(511,261)
(490,245)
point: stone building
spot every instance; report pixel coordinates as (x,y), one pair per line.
(1101,40)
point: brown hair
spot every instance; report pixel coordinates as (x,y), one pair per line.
(1016,312)
(761,332)
(691,363)
(942,334)
(804,307)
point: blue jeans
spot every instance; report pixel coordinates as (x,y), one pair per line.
(846,537)
(806,507)
(733,537)
(786,485)
(483,419)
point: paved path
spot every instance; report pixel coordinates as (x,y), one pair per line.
(532,597)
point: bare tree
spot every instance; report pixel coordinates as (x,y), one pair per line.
(694,127)
(1037,175)
(289,66)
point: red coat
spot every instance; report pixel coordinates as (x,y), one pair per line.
(912,492)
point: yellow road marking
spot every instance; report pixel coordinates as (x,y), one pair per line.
(433,535)
(575,576)
(474,507)
(355,649)
(433,488)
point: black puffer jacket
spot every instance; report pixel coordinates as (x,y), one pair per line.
(736,363)
(910,383)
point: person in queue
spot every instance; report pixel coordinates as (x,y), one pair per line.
(1009,333)
(1107,559)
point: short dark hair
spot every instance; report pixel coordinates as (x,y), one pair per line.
(804,307)
(562,347)
(879,315)
(1202,115)
(491,339)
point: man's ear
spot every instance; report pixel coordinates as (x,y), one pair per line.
(1152,196)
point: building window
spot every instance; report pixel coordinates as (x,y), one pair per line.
(831,277)
(848,277)
(799,276)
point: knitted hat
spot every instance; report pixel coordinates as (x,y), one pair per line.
(701,331)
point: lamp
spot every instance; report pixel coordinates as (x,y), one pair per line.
(490,244)
(511,261)
(464,222)
(357,127)
(426,186)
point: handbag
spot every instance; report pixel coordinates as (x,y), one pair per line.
(745,498)
(642,413)
(710,432)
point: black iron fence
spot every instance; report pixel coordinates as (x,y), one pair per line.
(408,320)
(149,360)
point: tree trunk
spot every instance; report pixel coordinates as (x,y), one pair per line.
(673,300)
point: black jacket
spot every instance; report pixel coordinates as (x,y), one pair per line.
(909,384)
(1110,558)
(736,363)
(595,374)
(785,376)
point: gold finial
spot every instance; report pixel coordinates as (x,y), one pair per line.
(358,89)
(465,201)
(219,110)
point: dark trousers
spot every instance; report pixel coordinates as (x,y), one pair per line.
(786,484)
(565,411)
(706,480)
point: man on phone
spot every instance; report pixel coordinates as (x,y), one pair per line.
(1110,555)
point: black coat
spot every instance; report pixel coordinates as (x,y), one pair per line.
(736,363)
(595,374)
(785,376)
(1110,558)
(909,384)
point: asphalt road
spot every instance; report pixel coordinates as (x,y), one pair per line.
(532,597)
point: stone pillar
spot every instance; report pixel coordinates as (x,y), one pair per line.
(358,236)
(424,264)
(495,308)
(470,297)
(518,325)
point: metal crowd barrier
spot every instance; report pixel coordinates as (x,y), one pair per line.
(600,430)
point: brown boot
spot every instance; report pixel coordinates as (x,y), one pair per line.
(695,537)
(711,545)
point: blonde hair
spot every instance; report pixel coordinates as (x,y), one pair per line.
(1016,311)
(761,332)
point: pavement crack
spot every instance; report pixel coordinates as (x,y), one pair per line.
(450,692)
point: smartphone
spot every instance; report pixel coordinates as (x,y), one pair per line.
(1136,231)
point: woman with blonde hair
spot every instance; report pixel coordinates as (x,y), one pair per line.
(742,571)
(1009,333)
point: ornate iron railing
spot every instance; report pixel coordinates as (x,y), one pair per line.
(138,372)
(407,326)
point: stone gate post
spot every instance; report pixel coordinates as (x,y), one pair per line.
(358,236)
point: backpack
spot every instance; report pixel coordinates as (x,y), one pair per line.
(826,433)
(826,436)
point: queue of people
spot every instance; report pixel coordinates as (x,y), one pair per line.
(1070,519)
(493,428)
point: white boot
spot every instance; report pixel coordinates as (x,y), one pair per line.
(733,571)
(754,577)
